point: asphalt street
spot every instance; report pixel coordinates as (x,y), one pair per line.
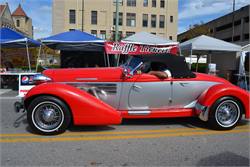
(155,142)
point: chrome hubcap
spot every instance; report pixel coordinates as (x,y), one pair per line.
(47,116)
(227,113)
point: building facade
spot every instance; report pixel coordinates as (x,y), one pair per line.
(22,22)
(18,20)
(222,28)
(98,17)
(6,19)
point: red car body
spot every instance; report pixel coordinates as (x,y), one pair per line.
(86,109)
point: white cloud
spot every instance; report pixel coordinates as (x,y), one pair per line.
(46,8)
(198,8)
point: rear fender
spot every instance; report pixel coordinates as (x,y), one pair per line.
(215,92)
(85,108)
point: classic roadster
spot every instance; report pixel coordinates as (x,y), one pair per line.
(104,96)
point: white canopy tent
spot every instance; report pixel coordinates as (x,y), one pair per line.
(206,43)
(145,38)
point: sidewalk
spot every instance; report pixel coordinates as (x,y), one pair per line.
(8,93)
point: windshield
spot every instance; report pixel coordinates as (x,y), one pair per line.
(132,63)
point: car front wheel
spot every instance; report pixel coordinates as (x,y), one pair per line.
(48,115)
(225,113)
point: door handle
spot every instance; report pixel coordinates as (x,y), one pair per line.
(183,84)
(137,87)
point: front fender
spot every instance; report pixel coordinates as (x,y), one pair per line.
(85,108)
(215,92)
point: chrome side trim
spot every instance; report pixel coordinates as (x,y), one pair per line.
(191,105)
(203,111)
(86,79)
(139,112)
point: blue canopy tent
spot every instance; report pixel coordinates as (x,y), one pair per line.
(12,39)
(74,40)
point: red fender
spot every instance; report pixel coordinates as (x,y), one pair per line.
(215,92)
(85,108)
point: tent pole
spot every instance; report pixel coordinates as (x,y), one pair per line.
(38,57)
(190,61)
(118,59)
(108,60)
(179,49)
(104,56)
(28,55)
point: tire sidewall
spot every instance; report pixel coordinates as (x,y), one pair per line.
(213,121)
(49,99)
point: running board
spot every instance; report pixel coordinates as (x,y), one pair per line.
(171,113)
(139,112)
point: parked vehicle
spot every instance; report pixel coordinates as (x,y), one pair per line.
(105,96)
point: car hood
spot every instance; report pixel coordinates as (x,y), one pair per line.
(85,74)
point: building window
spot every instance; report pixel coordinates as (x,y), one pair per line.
(153,21)
(171,19)
(170,37)
(93,17)
(129,33)
(72,16)
(162,21)
(246,36)
(103,34)
(223,27)
(120,18)
(131,19)
(145,3)
(154,33)
(246,19)
(154,3)
(236,38)
(162,4)
(71,29)
(18,23)
(131,2)
(94,32)
(144,20)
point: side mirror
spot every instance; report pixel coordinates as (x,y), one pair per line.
(126,73)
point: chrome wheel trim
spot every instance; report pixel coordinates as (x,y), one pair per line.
(227,113)
(42,118)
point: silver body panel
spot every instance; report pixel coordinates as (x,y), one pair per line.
(112,90)
(146,96)
(185,92)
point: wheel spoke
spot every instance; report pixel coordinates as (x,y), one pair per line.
(227,113)
(48,116)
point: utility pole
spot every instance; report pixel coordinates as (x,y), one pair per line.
(116,20)
(82,13)
(233,21)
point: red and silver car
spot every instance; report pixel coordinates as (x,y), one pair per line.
(105,96)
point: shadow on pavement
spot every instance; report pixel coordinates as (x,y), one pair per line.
(224,159)
(20,120)
(185,122)
(73,128)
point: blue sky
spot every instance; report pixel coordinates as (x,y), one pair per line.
(190,12)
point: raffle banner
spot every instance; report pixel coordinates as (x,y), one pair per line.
(138,49)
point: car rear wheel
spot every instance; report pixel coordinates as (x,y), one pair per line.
(48,115)
(225,113)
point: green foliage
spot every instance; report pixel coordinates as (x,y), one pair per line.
(202,67)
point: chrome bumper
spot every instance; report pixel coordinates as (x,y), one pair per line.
(202,111)
(19,106)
